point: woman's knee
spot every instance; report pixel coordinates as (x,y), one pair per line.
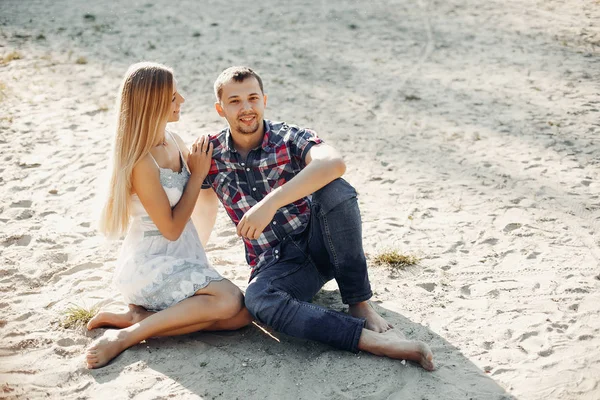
(229,300)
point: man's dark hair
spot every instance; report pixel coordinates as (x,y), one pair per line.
(236,74)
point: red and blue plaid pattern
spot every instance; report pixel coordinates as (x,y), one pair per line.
(240,184)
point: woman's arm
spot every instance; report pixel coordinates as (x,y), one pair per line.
(146,183)
(205,214)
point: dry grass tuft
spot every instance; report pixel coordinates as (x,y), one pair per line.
(77,317)
(81,61)
(2,90)
(395,260)
(13,55)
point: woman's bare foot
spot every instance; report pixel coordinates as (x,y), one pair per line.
(398,333)
(374,321)
(119,320)
(389,344)
(108,346)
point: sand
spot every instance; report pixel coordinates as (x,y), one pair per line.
(470,130)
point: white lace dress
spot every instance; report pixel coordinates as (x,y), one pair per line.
(154,272)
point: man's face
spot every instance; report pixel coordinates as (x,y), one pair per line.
(243,105)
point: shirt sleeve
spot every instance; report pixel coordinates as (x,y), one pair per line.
(208,181)
(301,142)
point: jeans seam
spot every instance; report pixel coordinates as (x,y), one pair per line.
(330,242)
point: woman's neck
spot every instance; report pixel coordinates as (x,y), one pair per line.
(162,138)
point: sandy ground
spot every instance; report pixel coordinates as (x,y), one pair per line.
(470,129)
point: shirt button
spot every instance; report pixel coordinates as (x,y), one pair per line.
(274,222)
(276,257)
(254,189)
(276,251)
(243,164)
(247,169)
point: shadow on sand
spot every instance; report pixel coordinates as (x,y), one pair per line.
(257,363)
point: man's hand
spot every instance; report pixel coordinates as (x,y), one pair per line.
(253,223)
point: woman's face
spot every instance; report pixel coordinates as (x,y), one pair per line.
(176,101)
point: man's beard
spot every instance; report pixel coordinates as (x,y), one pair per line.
(248,130)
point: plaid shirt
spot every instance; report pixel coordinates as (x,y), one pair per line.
(240,184)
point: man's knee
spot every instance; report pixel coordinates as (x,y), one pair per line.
(334,194)
(264,303)
(254,298)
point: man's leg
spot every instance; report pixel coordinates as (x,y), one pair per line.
(336,247)
(278,296)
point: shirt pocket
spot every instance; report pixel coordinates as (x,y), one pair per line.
(276,174)
(226,187)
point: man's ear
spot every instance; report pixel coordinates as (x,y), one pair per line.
(219,109)
(265,100)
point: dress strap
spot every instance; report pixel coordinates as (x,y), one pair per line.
(153,159)
(180,153)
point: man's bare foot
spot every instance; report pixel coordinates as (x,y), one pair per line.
(119,320)
(374,321)
(108,346)
(389,344)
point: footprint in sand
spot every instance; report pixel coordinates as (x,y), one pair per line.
(527,335)
(512,226)
(490,241)
(19,240)
(23,317)
(22,204)
(545,353)
(75,269)
(466,290)
(429,286)
(25,214)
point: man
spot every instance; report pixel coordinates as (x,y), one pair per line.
(300,224)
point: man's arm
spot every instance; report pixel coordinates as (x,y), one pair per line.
(324,165)
(205,214)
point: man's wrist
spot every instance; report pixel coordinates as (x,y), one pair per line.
(273,199)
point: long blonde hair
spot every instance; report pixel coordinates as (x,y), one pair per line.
(144,106)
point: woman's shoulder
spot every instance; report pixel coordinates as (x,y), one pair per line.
(145,165)
(179,141)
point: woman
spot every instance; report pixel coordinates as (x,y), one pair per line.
(162,269)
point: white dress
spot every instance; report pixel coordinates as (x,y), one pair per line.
(154,272)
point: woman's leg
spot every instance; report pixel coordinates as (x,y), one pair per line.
(219,301)
(136,314)
(242,319)
(119,320)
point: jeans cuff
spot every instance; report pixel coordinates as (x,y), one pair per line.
(357,299)
(357,333)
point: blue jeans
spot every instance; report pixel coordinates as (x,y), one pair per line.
(279,294)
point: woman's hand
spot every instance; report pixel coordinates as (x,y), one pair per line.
(199,158)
